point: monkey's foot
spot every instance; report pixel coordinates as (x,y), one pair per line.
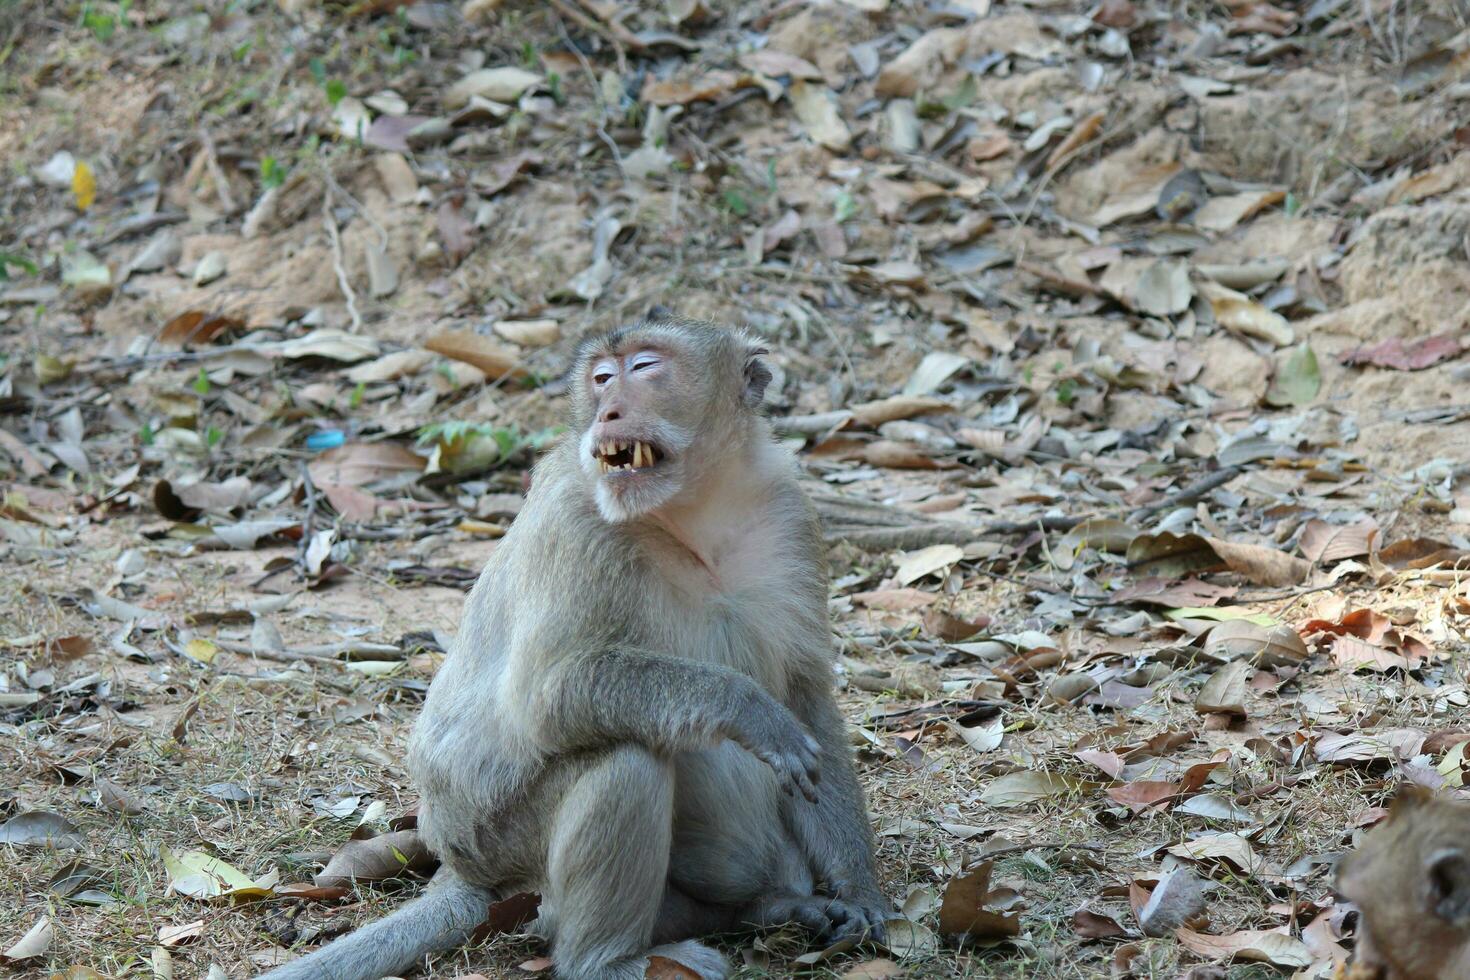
(829,918)
(706,962)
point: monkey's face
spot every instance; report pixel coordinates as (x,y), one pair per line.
(640,430)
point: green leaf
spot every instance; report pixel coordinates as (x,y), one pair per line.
(212,436)
(336,91)
(12,258)
(272,174)
(1297,381)
(356,398)
(201,383)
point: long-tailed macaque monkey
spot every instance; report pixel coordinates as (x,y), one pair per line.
(637,719)
(1411,882)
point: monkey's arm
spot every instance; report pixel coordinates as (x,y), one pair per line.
(834,831)
(672,705)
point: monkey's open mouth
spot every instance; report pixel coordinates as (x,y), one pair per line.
(613,455)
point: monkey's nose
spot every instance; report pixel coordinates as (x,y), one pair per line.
(610,415)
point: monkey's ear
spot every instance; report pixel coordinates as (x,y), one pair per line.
(756,377)
(1449,884)
(658,313)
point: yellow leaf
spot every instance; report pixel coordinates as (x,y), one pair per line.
(83,186)
(201,650)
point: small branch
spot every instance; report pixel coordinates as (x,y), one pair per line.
(337,261)
(309,490)
(216,172)
(1188,495)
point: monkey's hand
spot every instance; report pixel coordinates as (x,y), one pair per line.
(769,731)
(866,911)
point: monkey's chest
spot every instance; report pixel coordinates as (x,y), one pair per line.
(749,631)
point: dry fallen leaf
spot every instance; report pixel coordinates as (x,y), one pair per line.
(36,942)
(1256,945)
(390,855)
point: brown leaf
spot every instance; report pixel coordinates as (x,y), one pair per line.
(351,503)
(1116,13)
(197,327)
(873,414)
(1261,565)
(663,968)
(1397,355)
(950,628)
(506,172)
(1349,651)
(359,463)
(709,87)
(1189,592)
(1225,690)
(773,64)
(962,910)
(1323,543)
(496,360)
(1094,925)
(1240,639)
(1082,134)
(456,231)
(308,892)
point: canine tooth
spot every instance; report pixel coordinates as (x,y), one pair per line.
(637,455)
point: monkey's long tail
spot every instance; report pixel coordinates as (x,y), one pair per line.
(442,918)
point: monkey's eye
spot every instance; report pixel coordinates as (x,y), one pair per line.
(601,377)
(643,361)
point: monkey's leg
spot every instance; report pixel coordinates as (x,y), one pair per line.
(833,832)
(607,870)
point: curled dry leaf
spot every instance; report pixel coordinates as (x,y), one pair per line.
(1175,900)
(36,942)
(505,84)
(1240,639)
(873,414)
(1256,945)
(911,566)
(1238,312)
(1231,848)
(817,109)
(1225,691)
(169,936)
(390,855)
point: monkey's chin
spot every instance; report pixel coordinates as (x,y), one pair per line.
(622,497)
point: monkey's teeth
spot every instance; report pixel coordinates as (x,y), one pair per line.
(637,455)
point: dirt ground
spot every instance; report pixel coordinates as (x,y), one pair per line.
(1121,344)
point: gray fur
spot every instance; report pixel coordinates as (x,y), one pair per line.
(638,709)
